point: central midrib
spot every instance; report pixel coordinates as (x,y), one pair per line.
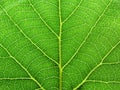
(60,48)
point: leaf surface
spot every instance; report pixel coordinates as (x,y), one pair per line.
(59,45)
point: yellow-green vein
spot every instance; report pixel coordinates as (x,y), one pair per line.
(22,78)
(97,65)
(42,19)
(89,33)
(111,63)
(100,81)
(22,67)
(28,37)
(60,48)
(73,11)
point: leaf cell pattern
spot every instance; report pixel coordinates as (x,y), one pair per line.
(60,45)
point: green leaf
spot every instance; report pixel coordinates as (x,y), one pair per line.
(59,44)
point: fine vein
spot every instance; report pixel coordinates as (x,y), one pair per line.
(22,67)
(101,63)
(101,81)
(73,11)
(111,63)
(42,19)
(15,78)
(28,37)
(89,33)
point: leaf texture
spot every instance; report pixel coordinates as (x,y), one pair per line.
(60,45)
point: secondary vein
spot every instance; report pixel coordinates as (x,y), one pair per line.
(22,78)
(29,74)
(101,63)
(42,19)
(89,33)
(73,11)
(20,29)
(101,81)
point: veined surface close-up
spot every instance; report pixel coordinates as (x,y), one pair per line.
(59,44)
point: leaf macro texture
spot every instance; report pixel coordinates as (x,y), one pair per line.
(59,44)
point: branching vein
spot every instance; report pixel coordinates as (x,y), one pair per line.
(22,67)
(28,37)
(101,63)
(89,33)
(73,11)
(42,19)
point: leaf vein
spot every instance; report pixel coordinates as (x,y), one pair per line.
(28,37)
(89,33)
(60,48)
(102,81)
(22,67)
(101,63)
(22,78)
(42,19)
(73,11)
